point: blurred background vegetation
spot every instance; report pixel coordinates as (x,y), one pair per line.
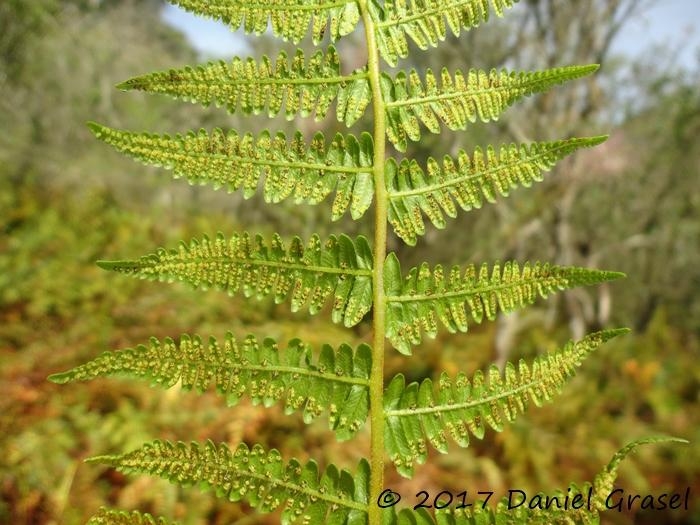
(66,200)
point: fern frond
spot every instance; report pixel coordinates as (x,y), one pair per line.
(468,180)
(550,511)
(301,87)
(308,173)
(603,483)
(415,303)
(460,100)
(338,383)
(425,22)
(257,477)
(338,267)
(107,516)
(417,414)
(289,19)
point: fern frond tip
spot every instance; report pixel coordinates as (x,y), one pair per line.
(132,84)
(579,71)
(607,335)
(119,266)
(95,127)
(666,439)
(105,265)
(60,378)
(651,440)
(105,459)
(595,140)
(587,142)
(604,481)
(587,277)
(611,468)
(613,276)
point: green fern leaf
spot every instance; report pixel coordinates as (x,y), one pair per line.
(257,477)
(289,20)
(340,267)
(460,100)
(426,22)
(469,181)
(416,414)
(308,173)
(337,384)
(603,483)
(301,87)
(415,303)
(107,516)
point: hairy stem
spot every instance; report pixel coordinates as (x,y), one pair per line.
(376,389)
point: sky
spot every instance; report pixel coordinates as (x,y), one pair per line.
(673,22)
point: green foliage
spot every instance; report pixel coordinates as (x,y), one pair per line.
(262,480)
(336,384)
(308,173)
(469,181)
(417,413)
(339,267)
(424,22)
(290,20)
(461,100)
(415,303)
(360,279)
(258,477)
(302,88)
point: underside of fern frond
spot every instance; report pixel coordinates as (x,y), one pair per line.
(426,22)
(339,267)
(417,414)
(261,479)
(107,516)
(258,477)
(289,19)
(307,173)
(337,383)
(416,302)
(347,384)
(468,181)
(459,99)
(301,87)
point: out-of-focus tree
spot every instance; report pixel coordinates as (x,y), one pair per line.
(571,32)
(549,221)
(58,67)
(649,224)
